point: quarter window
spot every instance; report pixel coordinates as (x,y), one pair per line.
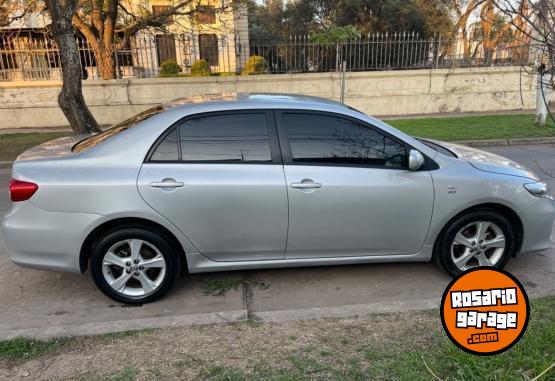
(167,150)
(233,138)
(330,139)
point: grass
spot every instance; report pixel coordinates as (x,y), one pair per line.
(22,348)
(218,287)
(11,145)
(379,347)
(474,127)
(408,356)
(449,129)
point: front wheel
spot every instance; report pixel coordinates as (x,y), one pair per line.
(134,265)
(478,238)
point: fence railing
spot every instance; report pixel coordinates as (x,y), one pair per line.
(32,56)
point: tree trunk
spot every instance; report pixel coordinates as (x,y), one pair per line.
(70,99)
(105,62)
(542,96)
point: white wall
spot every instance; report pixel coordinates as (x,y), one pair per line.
(34,104)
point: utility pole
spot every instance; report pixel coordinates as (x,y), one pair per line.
(545,76)
(542,96)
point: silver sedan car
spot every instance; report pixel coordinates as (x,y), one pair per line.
(249,181)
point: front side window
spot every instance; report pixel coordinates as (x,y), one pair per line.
(329,139)
(233,138)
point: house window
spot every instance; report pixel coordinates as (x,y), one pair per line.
(165,47)
(208,48)
(158,10)
(7,55)
(206,14)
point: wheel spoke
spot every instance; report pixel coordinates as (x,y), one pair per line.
(483,260)
(462,240)
(148,285)
(120,283)
(156,262)
(135,246)
(461,261)
(497,242)
(481,228)
(112,259)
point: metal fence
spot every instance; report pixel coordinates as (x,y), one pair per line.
(34,56)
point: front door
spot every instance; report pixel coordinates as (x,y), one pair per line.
(350,192)
(219,179)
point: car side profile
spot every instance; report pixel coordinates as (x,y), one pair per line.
(249,181)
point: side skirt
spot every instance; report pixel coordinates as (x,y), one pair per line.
(197,263)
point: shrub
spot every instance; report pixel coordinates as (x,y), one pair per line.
(200,69)
(335,34)
(169,68)
(256,65)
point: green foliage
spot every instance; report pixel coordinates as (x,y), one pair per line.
(256,65)
(169,68)
(22,348)
(218,287)
(200,69)
(271,22)
(335,34)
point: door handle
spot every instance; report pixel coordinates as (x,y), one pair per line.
(167,183)
(306,184)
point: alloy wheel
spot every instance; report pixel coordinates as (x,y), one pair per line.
(134,268)
(479,243)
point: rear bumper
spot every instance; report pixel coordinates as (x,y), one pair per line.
(537,223)
(41,239)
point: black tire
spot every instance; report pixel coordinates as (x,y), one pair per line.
(442,254)
(171,257)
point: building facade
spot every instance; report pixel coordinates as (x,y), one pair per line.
(208,30)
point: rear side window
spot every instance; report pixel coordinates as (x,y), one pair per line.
(329,139)
(233,138)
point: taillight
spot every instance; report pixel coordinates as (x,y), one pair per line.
(22,190)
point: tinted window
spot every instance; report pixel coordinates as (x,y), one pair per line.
(329,139)
(167,150)
(240,138)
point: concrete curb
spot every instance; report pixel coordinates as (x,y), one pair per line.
(505,142)
(99,328)
(347,310)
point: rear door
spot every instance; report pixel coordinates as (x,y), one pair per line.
(350,191)
(218,177)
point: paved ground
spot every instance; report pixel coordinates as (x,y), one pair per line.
(44,303)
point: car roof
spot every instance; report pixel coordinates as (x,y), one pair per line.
(278,100)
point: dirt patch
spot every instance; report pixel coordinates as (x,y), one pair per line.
(201,352)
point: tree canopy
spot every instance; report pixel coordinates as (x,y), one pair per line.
(272,21)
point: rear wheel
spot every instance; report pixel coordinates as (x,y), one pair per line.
(478,238)
(134,265)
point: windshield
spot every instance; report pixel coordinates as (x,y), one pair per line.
(93,140)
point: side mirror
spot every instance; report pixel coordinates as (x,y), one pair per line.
(416,160)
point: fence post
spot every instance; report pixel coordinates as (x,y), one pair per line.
(337,68)
(343,77)
(117,63)
(437,51)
